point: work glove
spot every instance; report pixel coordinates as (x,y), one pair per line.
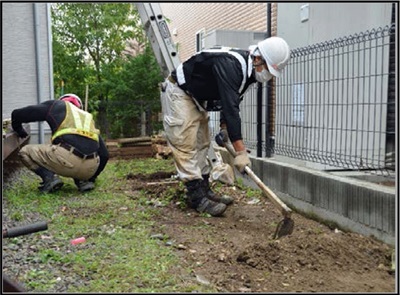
(241,161)
(222,137)
(21,132)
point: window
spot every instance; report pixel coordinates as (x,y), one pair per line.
(200,40)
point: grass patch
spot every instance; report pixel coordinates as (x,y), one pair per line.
(119,254)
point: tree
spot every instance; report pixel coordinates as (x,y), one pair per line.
(88,39)
(136,91)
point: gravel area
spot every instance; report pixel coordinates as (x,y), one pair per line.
(22,262)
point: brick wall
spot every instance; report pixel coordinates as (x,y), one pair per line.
(189,18)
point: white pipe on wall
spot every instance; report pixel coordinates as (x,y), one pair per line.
(50,49)
(38,65)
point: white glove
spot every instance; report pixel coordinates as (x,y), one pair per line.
(241,161)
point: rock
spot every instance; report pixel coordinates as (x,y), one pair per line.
(157,236)
(201,279)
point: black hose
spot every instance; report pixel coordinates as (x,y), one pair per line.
(24,230)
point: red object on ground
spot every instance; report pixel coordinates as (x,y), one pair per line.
(78,241)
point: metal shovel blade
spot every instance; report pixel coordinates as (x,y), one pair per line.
(284,228)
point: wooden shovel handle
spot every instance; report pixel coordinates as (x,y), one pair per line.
(286,211)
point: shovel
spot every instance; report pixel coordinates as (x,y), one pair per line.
(285,226)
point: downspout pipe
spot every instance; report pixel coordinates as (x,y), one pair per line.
(268,142)
(39,82)
(259,118)
(260,94)
(50,51)
(269,21)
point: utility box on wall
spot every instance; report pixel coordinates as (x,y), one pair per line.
(232,38)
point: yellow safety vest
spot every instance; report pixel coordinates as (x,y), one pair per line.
(77,121)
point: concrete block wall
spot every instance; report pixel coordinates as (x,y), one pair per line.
(354,205)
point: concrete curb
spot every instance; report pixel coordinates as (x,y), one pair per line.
(354,205)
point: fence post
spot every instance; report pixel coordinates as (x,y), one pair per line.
(268,142)
(259,119)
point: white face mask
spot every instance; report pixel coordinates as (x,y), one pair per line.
(263,76)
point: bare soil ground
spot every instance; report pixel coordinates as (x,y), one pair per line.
(236,252)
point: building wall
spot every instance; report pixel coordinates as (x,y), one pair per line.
(330,21)
(21,82)
(188,18)
(327,21)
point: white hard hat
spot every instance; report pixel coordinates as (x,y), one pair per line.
(276,52)
(72,98)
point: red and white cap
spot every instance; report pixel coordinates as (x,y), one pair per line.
(72,98)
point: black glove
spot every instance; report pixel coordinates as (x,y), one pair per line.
(222,137)
(21,132)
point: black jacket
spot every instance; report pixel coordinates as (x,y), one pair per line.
(220,78)
(53,112)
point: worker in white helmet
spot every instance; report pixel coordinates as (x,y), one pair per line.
(213,80)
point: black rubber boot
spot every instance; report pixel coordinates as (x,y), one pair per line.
(197,199)
(50,182)
(84,185)
(227,200)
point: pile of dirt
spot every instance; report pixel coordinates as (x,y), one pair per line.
(237,252)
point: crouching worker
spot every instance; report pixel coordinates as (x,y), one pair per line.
(76,150)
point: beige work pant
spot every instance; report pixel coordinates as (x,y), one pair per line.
(187,131)
(58,160)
